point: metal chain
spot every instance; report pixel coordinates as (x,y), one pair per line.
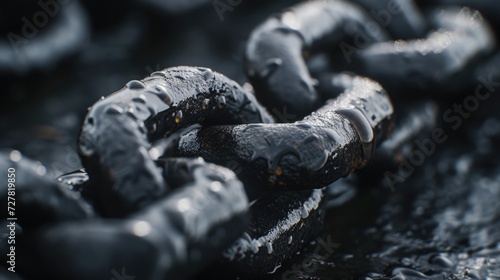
(153,205)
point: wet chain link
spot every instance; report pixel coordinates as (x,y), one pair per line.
(154,206)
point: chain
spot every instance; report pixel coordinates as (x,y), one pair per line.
(187,164)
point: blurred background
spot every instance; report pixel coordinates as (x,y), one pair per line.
(57,59)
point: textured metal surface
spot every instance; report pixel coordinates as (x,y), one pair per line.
(439,222)
(330,143)
(118,129)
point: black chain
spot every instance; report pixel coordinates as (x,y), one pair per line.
(142,146)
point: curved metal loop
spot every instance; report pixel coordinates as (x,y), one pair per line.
(274,61)
(330,143)
(145,111)
(180,211)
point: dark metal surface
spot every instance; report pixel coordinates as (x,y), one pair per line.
(440,221)
(335,140)
(117,131)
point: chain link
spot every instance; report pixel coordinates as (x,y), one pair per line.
(144,147)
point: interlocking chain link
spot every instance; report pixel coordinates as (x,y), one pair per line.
(153,205)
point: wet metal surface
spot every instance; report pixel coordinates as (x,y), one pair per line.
(441,222)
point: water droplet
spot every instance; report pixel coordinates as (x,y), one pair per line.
(159,74)
(152,128)
(221,102)
(183,204)
(363,129)
(15,156)
(77,177)
(474,274)
(102,97)
(271,66)
(269,246)
(178,116)
(310,138)
(441,260)
(386,107)
(114,109)
(255,246)
(234,95)
(86,147)
(406,261)
(247,237)
(141,228)
(290,239)
(407,273)
(204,104)
(304,213)
(140,99)
(180,77)
(303,125)
(208,75)
(288,18)
(131,113)
(318,162)
(274,269)
(251,126)
(142,128)
(332,135)
(136,85)
(307,86)
(215,187)
(347,257)
(163,94)
(40,169)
